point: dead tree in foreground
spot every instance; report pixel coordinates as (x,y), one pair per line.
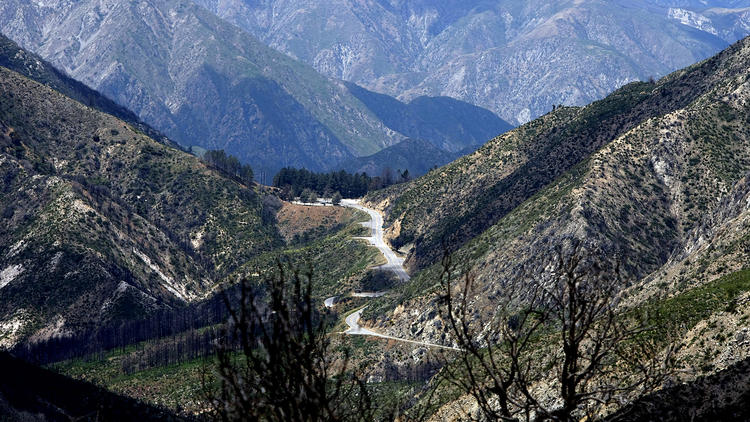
(556,348)
(274,362)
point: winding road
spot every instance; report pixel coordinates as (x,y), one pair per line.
(394,263)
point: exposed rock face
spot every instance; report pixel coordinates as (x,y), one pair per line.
(516,58)
(726,23)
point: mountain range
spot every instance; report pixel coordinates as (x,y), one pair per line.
(109,225)
(175,63)
(516,58)
(424,157)
(204,82)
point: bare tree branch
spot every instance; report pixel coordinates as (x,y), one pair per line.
(274,361)
(560,330)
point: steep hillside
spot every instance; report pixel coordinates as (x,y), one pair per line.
(203,81)
(716,249)
(33,67)
(516,58)
(638,197)
(718,244)
(414,155)
(460,201)
(720,397)
(667,198)
(101,222)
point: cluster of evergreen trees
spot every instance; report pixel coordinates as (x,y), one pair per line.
(229,165)
(294,182)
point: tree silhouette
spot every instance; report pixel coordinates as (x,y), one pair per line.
(558,348)
(274,361)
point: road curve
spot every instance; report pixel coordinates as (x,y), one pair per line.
(394,263)
(352,321)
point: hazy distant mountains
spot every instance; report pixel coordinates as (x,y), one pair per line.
(205,82)
(516,58)
(415,155)
(449,124)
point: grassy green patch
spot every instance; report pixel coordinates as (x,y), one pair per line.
(176,386)
(679,314)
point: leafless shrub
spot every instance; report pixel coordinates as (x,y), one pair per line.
(557,347)
(275,363)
